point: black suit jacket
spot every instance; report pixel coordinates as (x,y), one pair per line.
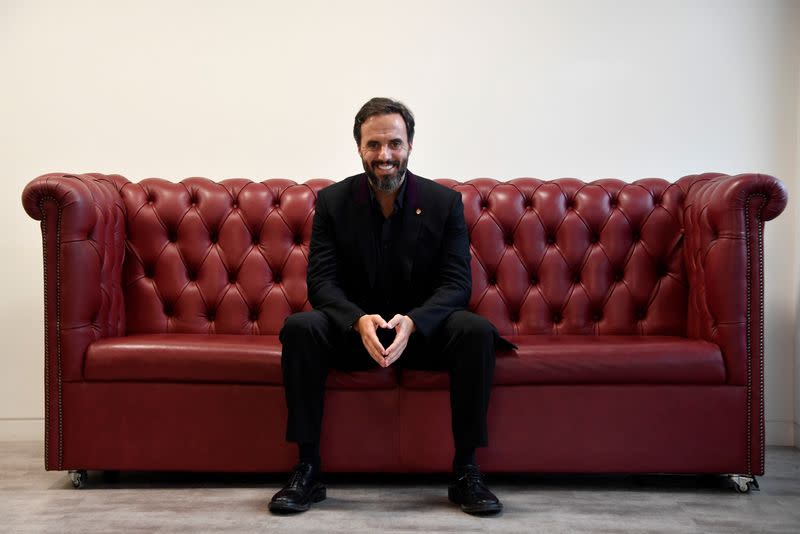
(434,251)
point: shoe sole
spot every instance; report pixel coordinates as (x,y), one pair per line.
(477,509)
(318,495)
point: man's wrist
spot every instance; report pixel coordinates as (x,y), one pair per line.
(354,324)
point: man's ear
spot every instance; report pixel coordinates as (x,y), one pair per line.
(410,146)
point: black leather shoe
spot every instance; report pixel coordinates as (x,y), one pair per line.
(297,495)
(471,493)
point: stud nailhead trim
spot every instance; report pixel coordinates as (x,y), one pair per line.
(47,413)
(748,330)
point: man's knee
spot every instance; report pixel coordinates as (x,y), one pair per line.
(468,326)
(304,325)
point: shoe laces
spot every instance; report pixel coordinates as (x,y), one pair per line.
(472,477)
(296,479)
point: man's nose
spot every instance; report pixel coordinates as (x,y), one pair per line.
(385,153)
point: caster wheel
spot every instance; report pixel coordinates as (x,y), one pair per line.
(79,478)
(743,483)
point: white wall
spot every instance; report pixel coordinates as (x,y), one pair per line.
(500,88)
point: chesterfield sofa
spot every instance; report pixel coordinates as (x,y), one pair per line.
(637,309)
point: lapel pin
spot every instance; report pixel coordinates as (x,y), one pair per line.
(419,211)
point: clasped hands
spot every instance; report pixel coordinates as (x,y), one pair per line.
(367,326)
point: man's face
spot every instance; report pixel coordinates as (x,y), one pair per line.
(384,151)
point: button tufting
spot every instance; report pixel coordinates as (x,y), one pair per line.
(235,205)
(167,310)
(210,315)
(255,239)
(298,240)
(232,278)
(557,318)
(191,275)
(576,278)
(492,280)
(593,239)
(253,315)
(514,318)
(618,276)
(596,317)
(213,237)
(276,278)
(550,239)
(149,271)
(534,280)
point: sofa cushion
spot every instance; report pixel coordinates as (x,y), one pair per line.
(575,359)
(221,358)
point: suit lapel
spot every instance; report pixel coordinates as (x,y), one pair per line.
(413,213)
(363,226)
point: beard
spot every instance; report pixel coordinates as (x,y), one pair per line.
(390,182)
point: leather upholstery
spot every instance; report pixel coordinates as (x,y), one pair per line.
(218,358)
(651,283)
(577,359)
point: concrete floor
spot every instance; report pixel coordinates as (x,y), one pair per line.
(33,500)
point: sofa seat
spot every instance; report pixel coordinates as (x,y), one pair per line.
(587,359)
(210,358)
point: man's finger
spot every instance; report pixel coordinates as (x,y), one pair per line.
(395,355)
(372,342)
(374,347)
(395,320)
(396,348)
(378,321)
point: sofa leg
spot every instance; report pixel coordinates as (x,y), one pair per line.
(743,483)
(79,478)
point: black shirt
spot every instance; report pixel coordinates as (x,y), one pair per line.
(386,233)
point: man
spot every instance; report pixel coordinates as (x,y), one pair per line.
(389,280)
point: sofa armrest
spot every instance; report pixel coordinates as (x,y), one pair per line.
(83,243)
(724,256)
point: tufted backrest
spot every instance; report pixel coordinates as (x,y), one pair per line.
(221,257)
(563,257)
(569,257)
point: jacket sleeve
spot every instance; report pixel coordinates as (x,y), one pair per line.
(324,291)
(454,280)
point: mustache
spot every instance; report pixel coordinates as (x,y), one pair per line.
(394,162)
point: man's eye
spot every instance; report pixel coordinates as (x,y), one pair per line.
(395,144)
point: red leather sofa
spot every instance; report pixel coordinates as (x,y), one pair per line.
(637,308)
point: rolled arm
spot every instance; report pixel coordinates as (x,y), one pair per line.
(724,256)
(83,241)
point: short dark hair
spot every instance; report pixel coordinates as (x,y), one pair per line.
(383,106)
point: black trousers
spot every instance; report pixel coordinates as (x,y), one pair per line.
(463,346)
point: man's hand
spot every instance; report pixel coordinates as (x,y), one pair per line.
(404,326)
(366,326)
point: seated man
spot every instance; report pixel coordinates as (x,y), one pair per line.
(389,280)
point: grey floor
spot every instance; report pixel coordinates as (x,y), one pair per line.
(33,500)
